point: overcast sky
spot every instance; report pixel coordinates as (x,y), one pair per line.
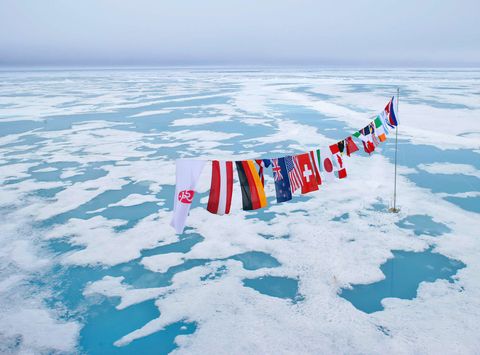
(240,32)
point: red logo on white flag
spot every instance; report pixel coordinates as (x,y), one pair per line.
(186,196)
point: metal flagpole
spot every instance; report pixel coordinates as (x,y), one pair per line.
(394,209)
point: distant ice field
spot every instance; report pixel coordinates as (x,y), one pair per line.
(89,263)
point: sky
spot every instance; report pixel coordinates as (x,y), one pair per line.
(240,32)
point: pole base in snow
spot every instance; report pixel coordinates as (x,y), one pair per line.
(394,210)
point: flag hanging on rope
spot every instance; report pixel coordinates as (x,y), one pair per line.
(334,148)
(221,187)
(309,181)
(327,165)
(340,165)
(380,129)
(293,171)
(316,164)
(282,183)
(373,133)
(262,163)
(351,146)
(366,138)
(187,173)
(253,194)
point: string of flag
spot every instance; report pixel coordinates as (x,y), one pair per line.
(303,172)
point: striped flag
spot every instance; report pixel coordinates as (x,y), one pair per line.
(316,164)
(390,112)
(262,163)
(221,187)
(293,171)
(380,129)
(253,194)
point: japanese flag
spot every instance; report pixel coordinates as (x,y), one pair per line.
(328,170)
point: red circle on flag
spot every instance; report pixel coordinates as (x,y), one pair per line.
(186,196)
(327,164)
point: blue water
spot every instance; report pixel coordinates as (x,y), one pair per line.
(423,225)
(275,286)
(102,323)
(403,273)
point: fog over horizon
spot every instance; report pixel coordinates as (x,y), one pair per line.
(366,33)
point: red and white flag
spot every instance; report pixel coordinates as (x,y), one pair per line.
(327,165)
(221,187)
(294,174)
(309,180)
(340,166)
(187,173)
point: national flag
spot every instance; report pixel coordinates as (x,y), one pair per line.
(382,136)
(309,180)
(327,165)
(253,194)
(368,147)
(384,119)
(351,146)
(262,163)
(390,111)
(293,171)
(334,148)
(187,173)
(282,183)
(340,164)
(316,164)
(221,187)
(380,130)
(366,137)
(373,134)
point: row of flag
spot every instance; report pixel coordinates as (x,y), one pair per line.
(303,172)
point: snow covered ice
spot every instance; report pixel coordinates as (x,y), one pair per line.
(90,264)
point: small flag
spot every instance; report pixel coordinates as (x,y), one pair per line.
(327,165)
(340,163)
(380,130)
(293,171)
(187,173)
(334,149)
(253,194)
(221,187)
(282,183)
(390,111)
(316,164)
(366,137)
(341,146)
(351,146)
(373,134)
(384,119)
(309,181)
(262,163)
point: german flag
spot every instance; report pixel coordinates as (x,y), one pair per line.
(253,194)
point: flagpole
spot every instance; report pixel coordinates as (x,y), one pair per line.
(394,209)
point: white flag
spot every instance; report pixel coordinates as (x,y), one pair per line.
(188,171)
(327,165)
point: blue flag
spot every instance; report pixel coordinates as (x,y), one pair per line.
(282,183)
